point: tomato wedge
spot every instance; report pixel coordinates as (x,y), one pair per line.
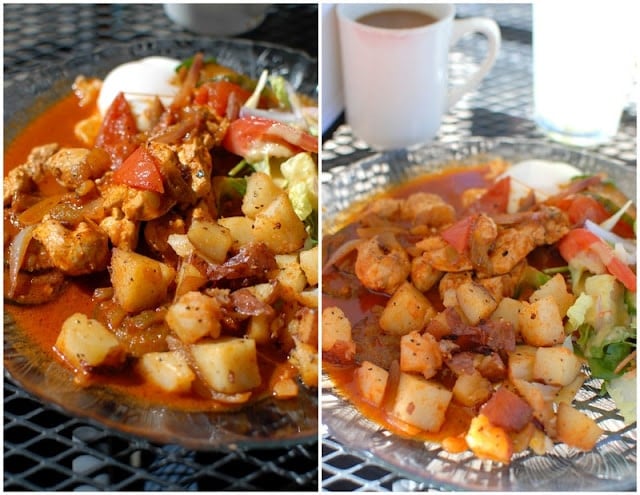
(118,134)
(223,97)
(495,199)
(140,170)
(457,235)
(582,242)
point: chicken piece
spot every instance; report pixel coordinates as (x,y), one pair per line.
(423,274)
(24,178)
(428,209)
(382,263)
(387,208)
(122,232)
(442,256)
(448,285)
(136,204)
(195,159)
(78,251)
(482,239)
(512,246)
(517,235)
(177,187)
(73,166)
(86,89)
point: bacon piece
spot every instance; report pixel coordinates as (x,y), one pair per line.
(253,261)
(507,410)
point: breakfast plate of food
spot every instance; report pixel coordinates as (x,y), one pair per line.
(160,214)
(478,315)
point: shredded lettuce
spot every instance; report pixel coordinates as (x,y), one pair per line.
(605,329)
(300,172)
(279,86)
(623,390)
(577,313)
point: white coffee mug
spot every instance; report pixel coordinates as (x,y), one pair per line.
(395,80)
(217,19)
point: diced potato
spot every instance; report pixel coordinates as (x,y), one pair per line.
(85,343)
(290,274)
(448,285)
(181,244)
(476,301)
(167,370)
(305,358)
(308,298)
(438,326)
(471,389)
(556,365)
(211,240)
(577,429)
(541,323)
(139,282)
(521,361)
(508,309)
(521,440)
(279,227)
(240,229)
(569,391)
(260,192)
(408,310)
(496,286)
(228,365)
(540,443)
(420,402)
(336,327)
(266,292)
(309,264)
(193,316)
(556,288)
(540,397)
(304,326)
(259,328)
(188,279)
(488,441)
(420,354)
(372,382)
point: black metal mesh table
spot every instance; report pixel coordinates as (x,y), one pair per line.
(501,106)
(45,449)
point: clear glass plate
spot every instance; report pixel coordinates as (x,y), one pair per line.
(612,463)
(269,423)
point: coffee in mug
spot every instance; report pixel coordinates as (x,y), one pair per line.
(397,19)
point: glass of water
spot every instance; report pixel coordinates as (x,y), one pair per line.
(584,56)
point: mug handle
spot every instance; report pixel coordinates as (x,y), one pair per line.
(490,29)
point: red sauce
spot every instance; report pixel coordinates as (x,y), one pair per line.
(42,323)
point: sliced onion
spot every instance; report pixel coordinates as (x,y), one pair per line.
(284,117)
(611,222)
(341,252)
(624,249)
(36,212)
(254,99)
(17,251)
